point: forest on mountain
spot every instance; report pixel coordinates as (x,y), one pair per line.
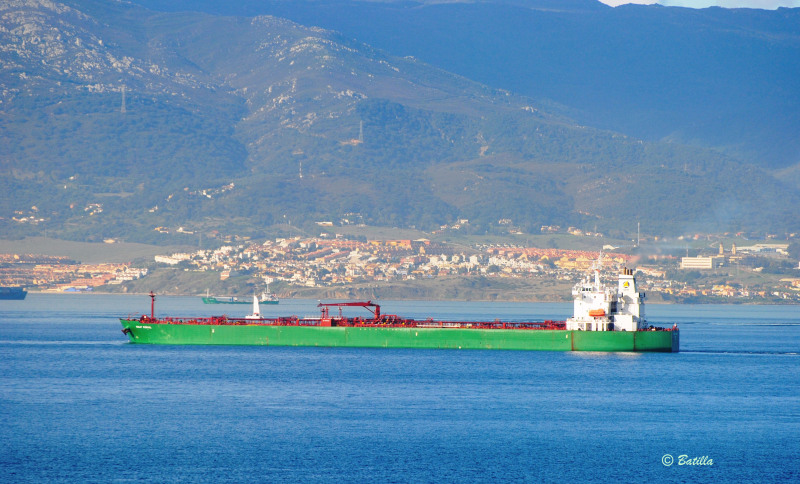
(116,120)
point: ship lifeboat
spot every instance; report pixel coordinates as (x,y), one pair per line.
(597,313)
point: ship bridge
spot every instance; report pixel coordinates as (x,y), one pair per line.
(597,308)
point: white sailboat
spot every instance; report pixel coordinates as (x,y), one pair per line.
(256,310)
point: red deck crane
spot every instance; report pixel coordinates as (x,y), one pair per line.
(367,305)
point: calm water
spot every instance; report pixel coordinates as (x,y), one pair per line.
(80,404)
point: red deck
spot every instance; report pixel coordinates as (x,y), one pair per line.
(376,320)
(386,321)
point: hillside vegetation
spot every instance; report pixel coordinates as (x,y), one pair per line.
(116,120)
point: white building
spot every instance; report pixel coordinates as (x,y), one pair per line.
(702,262)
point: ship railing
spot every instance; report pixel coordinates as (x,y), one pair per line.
(659,328)
(226,321)
(411,323)
(384,322)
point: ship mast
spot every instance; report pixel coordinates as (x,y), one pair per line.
(597,266)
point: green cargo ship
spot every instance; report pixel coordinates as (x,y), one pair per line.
(230,332)
(604,320)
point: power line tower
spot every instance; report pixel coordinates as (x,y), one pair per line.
(638,233)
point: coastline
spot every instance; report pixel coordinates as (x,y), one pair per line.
(553,285)
(336,295)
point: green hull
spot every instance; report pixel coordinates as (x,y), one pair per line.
(228,300)
(373,337)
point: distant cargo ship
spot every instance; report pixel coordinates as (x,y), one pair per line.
(266,298)
(604,319)
(16,293)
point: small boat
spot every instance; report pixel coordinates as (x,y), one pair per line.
(265,298)
(256,310)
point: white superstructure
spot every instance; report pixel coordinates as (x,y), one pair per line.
(598,308)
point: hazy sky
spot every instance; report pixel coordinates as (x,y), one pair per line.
(770,4)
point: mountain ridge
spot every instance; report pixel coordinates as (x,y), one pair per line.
(237,123)
(714,77)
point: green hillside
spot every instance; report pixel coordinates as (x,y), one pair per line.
(237,124)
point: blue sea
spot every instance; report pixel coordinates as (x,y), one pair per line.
(78,403)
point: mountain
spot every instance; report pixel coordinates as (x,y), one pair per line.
(722,78)
(118,121)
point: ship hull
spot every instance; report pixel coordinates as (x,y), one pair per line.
(228,300)
(13,293)
(418,337)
